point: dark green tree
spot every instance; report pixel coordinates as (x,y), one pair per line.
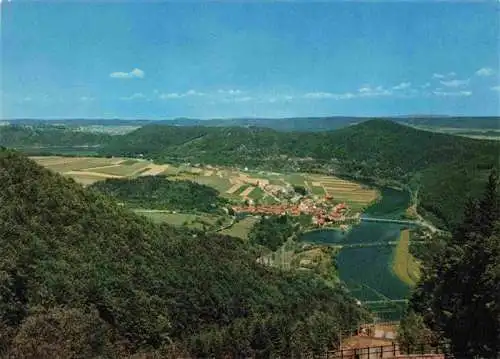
(459,293)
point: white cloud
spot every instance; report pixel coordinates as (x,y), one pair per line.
(194,93)
(27,99)
(368,91)
(135,73)
(438,92)
(495,88)
(319,95)
(176,95)
(135,96)
(86,99)
(485,71)
(243,99)
(168,96)
(329,95)
(443,76)
(455,83)
(402,86)
(426,85)
(229,92)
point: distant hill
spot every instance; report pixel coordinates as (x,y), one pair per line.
(81,276)
(372,149)
(303,124)
(39,135)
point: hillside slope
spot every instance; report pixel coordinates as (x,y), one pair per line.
(373,149)
(74,264)
(24,136)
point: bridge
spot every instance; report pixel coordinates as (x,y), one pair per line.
(387,220)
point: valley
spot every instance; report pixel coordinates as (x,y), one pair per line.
(320,251)
(343,224)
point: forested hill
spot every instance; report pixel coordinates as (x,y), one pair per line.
(158,192)
(81,276)
(389,147)
(445,168)
(22,136)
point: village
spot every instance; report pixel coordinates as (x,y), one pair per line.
(323,210)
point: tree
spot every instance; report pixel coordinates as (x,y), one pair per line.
(459,294)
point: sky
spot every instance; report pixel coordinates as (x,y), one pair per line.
(160,60)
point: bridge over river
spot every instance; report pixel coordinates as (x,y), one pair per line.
(420,223)
(388,220)
(372,244)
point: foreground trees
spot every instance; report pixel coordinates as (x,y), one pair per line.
(458,298)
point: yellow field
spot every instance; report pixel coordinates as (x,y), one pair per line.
(341,190)
(405,266)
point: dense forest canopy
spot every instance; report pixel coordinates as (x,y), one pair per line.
(158,192)
(273,231)
(81,276)
(458,297)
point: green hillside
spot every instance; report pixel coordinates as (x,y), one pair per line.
(24,136)
(157,192)
(378,149)
(81,277)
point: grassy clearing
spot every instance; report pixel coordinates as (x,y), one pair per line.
(220,184)
(318,191)
(295,179)
(122,170)
(404,264)
(178,219)
(241,228)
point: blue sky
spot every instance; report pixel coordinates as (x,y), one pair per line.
(226,59)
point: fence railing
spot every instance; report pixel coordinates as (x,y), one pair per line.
(385,351)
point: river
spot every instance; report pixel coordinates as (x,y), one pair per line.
(367,270)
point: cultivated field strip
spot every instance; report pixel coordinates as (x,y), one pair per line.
(229,182)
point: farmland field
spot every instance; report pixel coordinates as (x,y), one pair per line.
(231,183)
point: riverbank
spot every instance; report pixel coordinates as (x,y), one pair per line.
(404,265)
(366,253)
